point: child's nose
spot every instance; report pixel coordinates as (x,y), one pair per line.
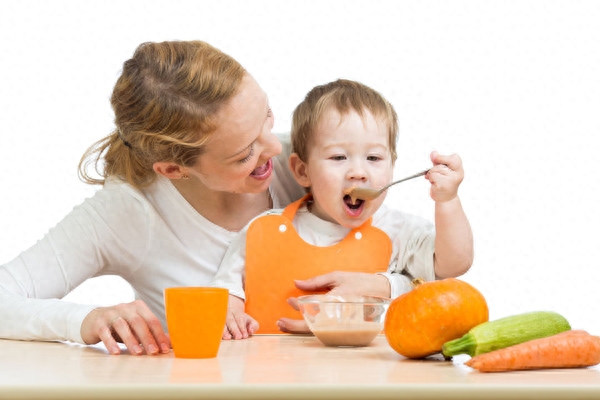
(357,172)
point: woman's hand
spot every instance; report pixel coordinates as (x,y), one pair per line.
(339,282)
(288,325)
(130,323)
(238,324)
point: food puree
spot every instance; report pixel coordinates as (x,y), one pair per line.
(357,334)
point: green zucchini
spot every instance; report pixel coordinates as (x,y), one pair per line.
(508,331)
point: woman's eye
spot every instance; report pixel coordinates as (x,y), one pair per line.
(248,157)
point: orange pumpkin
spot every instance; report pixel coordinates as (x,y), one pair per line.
(419,322)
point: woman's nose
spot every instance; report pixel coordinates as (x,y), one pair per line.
(268,144)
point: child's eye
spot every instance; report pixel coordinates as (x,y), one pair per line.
(338,158)
(373,158)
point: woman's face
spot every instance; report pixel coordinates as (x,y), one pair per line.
(237,156)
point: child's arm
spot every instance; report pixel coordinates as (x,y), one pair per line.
(454,239)
(238,324)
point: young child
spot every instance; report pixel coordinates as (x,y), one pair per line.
(343,136)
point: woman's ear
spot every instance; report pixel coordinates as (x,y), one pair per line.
(169,170)
(299,169)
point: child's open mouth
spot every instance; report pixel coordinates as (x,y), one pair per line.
(353,208)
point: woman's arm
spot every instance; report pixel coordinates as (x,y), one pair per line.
(95,238)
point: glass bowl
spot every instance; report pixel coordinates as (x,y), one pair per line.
(344,320)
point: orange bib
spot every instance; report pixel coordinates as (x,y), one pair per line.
(276,255)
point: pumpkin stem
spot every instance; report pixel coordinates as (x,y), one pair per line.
(417,281)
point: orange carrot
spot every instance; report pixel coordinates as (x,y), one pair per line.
(569,349)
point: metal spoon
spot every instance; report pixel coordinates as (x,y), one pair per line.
(371,194)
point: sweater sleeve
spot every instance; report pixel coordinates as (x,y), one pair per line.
(231,271)
(88,242)
(413,248)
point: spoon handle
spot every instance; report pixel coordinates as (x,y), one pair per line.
(406,179)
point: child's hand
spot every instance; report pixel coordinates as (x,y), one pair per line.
(238,324)
(445,176)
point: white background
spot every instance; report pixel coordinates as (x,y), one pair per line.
(513,87)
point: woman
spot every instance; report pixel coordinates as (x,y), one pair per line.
(191,161)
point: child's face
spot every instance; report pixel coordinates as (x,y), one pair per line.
(347,151)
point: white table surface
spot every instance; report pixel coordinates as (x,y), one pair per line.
(270,367)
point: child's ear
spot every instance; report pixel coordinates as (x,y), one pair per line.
(299,169)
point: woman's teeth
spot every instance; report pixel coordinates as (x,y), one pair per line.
(260,170)
(264,171)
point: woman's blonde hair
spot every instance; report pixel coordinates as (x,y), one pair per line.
(164,102)
(344,95)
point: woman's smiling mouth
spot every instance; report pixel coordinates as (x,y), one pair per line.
(264,171)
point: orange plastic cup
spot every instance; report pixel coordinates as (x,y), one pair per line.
(195,320)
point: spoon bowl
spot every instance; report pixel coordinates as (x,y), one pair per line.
(371,194)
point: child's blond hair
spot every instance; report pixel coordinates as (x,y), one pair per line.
(345,96)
